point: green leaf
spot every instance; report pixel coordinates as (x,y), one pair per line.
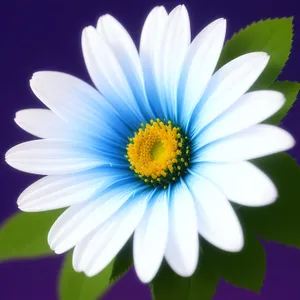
(244,269)
(204,282)
(77,286)
(169,286)
(273,36)
(123,261)
(280,221)
(290,91)
(24,235)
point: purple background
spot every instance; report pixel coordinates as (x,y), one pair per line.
(43,34)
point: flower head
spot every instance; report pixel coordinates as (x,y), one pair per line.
(158,150)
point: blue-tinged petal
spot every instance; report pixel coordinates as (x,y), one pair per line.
(216,219)
(81,219)
(44,123)
(79,104)
(53,192)
(150,237)
(150,45)
(252,108)
(97,250)
(122,45)
(109,77)
(242,182)
(183,242)
(198,67)
(226,86)
(256,141)
(175,42)
(58,157)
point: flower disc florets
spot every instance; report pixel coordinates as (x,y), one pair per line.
(159,152)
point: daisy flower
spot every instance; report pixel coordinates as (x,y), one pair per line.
(158,149)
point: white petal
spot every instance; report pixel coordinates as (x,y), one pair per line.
(97,250)
(108,76)
(53,192)
(79,220)
(77,103)
(183,242)
(150,238)
(217,221)
(228,84)
(43,123)
(252,108)
(120,42)
(199,65)
(242,183)
(176,40)
(256,141)
(53,157)
(46,124)
(150,44)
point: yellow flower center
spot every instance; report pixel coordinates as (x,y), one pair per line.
(158,153)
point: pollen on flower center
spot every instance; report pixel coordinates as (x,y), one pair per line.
(159,152)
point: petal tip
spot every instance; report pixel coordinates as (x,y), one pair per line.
(160,9)
(144,278)
(272,199)
(292,142)
(22,207)
(22,198)
(188,271)
(90,273)
(88,30)
(105,18)
(288,141)
(221,21)
(8,156)
(222,25)
(76,263)
(59,251)
(237,245)
(183,6)
(39,75)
